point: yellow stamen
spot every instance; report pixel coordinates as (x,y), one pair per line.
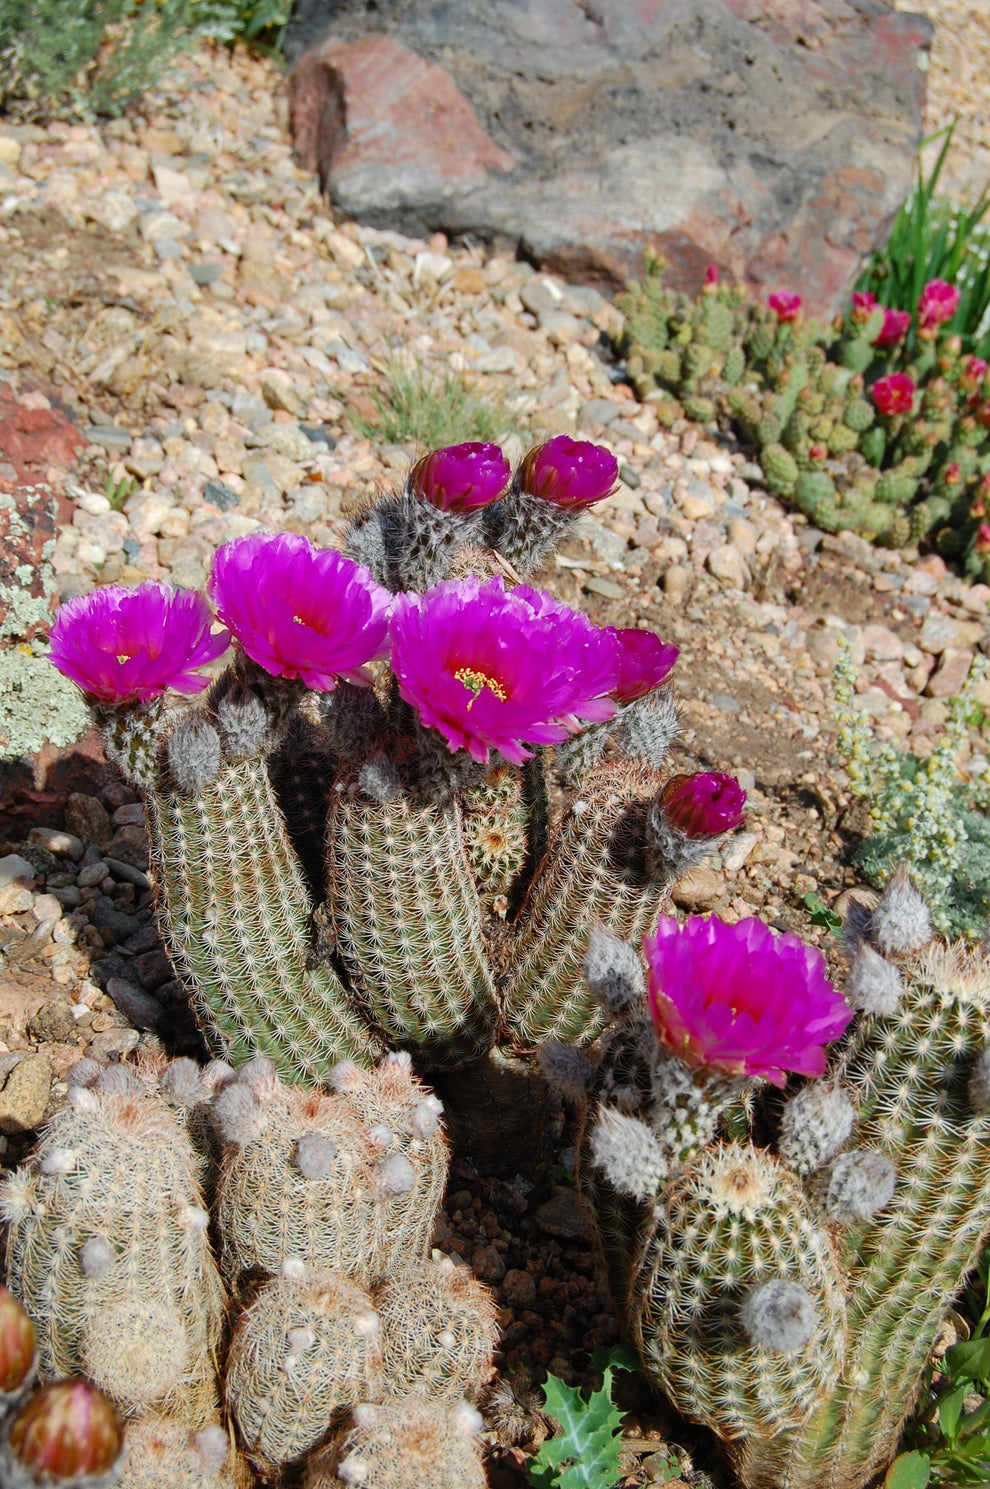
(475,682)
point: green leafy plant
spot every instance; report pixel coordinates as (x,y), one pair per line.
(419,407)
(934,238)
(923,813)
(262,23)
(119,492)
(819,913)
(91,58)
(585,1452)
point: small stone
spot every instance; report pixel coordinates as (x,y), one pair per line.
(563,1218)
(737,850)
(597,411)
(676,581)
(742,536)
(938,632)
(131,814)
(951,673)
(139,1008)
(15,899)
(93,873)
(518,1289)
(110,437)
(128,873)
(26,1085)
(220,495)
(288,440)
(728,565)
(697,888)
(53,1023)
(488,1264)
(87,818)
(46,907)
(63,844)
(607,588)
(882,645)
(14,868)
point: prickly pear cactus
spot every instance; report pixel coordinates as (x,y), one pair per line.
(789,1297)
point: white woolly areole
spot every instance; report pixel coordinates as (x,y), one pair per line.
(779,1315)
(402,1058)
(814,1125)
(613,971)
(874,985)
(395,1175)
(211,1446)
(424,1119)
(367,1324)
(345,1077)
(365,1415)
(354,1469)
(239,1115)
(315,1154)
(59,1161)
(628,1153)
(465,1420)
(182,1084)
(293,1269)
(300,1340)
(96,1257)
(901,921)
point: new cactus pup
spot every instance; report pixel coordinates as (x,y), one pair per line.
(788,1296)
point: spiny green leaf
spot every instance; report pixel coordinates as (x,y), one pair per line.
(585,1453)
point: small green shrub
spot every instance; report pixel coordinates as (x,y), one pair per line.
(91,58)
(923,813)
(420,408)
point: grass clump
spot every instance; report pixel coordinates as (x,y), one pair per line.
(419,407)
(923,813)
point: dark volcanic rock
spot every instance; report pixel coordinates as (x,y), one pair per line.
(772,137)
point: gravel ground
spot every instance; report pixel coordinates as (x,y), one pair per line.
(177,284)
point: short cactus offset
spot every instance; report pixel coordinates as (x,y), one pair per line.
(405,1445)
(439,1330)
(107,1248)
(790,1300)
(160,1453)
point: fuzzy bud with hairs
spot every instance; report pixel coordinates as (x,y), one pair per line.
(858,1185)
(194,753)
(629,1154)
(614,972)
(814,1126)
(901,921)
(779,1315)
(874,985)
(566,1068)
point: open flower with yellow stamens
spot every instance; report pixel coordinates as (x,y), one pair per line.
(494,669)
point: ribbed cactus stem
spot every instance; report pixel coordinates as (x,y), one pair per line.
(525,529)
(431,538)
(687,1104)
(132,737)
(234,911)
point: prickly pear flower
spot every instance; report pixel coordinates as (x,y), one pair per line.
(17,1343)
(461,478)
(894,394)
(973,373)
(785,307)
(711,276)
(569,473)
(981,544)
(896,324)
(937,303)
(129,645)
(65,1433)
(644,662)
(492,669)
(703,805)
(740,999)
(864,304)
(300,611)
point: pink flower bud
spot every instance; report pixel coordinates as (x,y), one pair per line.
(461,478)
(973,373)
(711,276)
(894,394)
(644,662)
(569,473)
(937,303)
(818,452)
(17,1343)
(896,324)
(982,544)
(864,304)
(785,307)
(703,805)
(65,1432)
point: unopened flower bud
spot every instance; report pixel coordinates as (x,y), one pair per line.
(779,1315)
(461,478)
(17,1343)
(703,805)
(569,473)
(901,921)
(65,1432)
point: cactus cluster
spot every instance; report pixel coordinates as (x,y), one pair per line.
(351,855)
(784,1268)
(851,424)
(327,1322)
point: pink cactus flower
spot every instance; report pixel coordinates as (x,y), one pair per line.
(492,669)
(644,662)
(818,452)
(937,303)
(973,372)
(65,1433)
(570,473)
(129,645)
(896,324)
(740,999)
(864,304)
(786,308)
(894,394)
(461,478)
(300,611)
(711,275)
(703,805)
(982,543)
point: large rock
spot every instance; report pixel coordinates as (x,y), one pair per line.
(774,138)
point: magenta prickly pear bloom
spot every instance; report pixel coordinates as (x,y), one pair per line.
(894,394)
(937,303)
(739,999)
(461,478)
(864,304)
(786,308)
(896,324)
(973,372)
(711,276)
(300,611)
(491,668)
(129,645)
(65,1433)
(569,473)
(644,662)
(703,805)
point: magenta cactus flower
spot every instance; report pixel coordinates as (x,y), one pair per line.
(493,669)
(785,307)
(740,999)
(703,805)
(896,324)
(461,478)
(129,645)
(65,1433)
(644,662)
(894,394)
(569,473)
(300,611)
(937,303)
(973,372)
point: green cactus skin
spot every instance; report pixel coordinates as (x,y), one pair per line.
(779,468)
(858,415)
(234,913)
(857,354)
(306,1348)
(596,871)
(405,917)
(108,1251)
(812,487)
(734,365)
(495,836)
(699,408)
(908,1074)
(407,1444)
(439,1329)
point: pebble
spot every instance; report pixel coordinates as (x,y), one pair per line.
(138,1007)
(563,1218)
(25,1085)
(697,888)
(13,867)
(64,844)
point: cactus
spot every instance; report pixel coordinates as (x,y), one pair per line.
(779,468)
(405,1445)
(107,1249)
(163,1454)
(438,1330)
(790,1300)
